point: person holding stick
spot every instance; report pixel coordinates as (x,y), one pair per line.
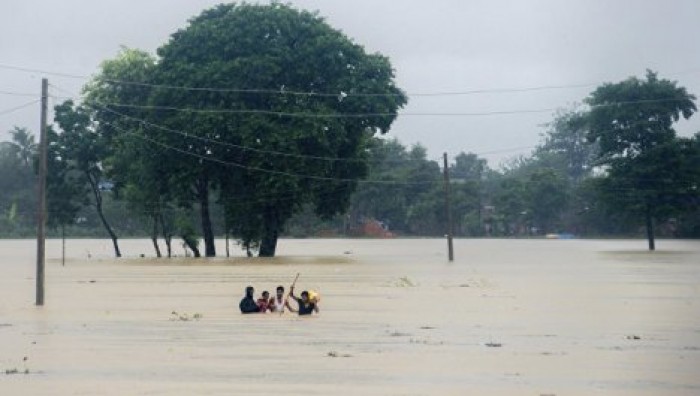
(307,305)
(286,300)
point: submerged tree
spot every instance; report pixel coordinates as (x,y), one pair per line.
(285,82)
(84,152)
(633,123)
(138,176)
(66,192)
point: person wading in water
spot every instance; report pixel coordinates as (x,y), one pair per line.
(278,303)
(248,304)
(306,306)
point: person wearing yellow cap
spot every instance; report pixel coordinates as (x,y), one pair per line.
(307,305)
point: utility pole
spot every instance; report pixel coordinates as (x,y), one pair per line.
(448,209)
(41,207)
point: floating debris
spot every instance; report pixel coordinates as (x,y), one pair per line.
(633,337)
(398,334)
(15,371)
(184,317)
(335,354)
(404,281)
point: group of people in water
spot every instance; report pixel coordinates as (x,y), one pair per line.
(307,304)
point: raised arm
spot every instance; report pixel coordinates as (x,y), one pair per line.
(291,294)
(289,307)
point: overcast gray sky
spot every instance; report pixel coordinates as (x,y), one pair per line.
(437,45)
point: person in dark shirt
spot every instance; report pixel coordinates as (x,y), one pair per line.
(306,307)
(248,304)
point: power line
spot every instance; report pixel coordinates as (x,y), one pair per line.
(11,93)
(320,115)
(246,148)
(272,152)
(340,94)
(368,115)
(262,151)
(13,109)
(241,147)
(51,73)
(283,91)
(263,170)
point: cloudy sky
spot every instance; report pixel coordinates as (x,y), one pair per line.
(435,46)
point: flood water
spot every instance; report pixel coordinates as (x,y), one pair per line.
(508,317)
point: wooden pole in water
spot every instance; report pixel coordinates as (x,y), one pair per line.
(448,208)
(41,207)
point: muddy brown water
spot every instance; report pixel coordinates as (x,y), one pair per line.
(508,317)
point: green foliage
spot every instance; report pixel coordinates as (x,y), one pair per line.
(17,184)
(66,190)
(566,146)
(83,151)
(183,224)
(548,197)
(273,47)
(648,173)
(633,116)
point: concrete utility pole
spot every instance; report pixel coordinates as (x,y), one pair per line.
(41,207)
(448,209)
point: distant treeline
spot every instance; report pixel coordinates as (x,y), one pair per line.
(552,190)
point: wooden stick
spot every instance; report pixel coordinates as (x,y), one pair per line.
(286,300)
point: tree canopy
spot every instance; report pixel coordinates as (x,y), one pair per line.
(284,123)
(647,164)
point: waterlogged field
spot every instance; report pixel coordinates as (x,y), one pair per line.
(508,317)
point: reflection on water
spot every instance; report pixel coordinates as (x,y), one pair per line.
(507,317)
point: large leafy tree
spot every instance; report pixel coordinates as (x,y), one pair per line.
(566,145)
(263,57)
(633,123)
(84,152)
(136,168)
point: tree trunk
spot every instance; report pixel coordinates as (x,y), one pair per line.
(193,247)
(268,244)
(63,245)
(203,193)
(228,251)
(167,235)
(98,205)
(650,230)
(154,236)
